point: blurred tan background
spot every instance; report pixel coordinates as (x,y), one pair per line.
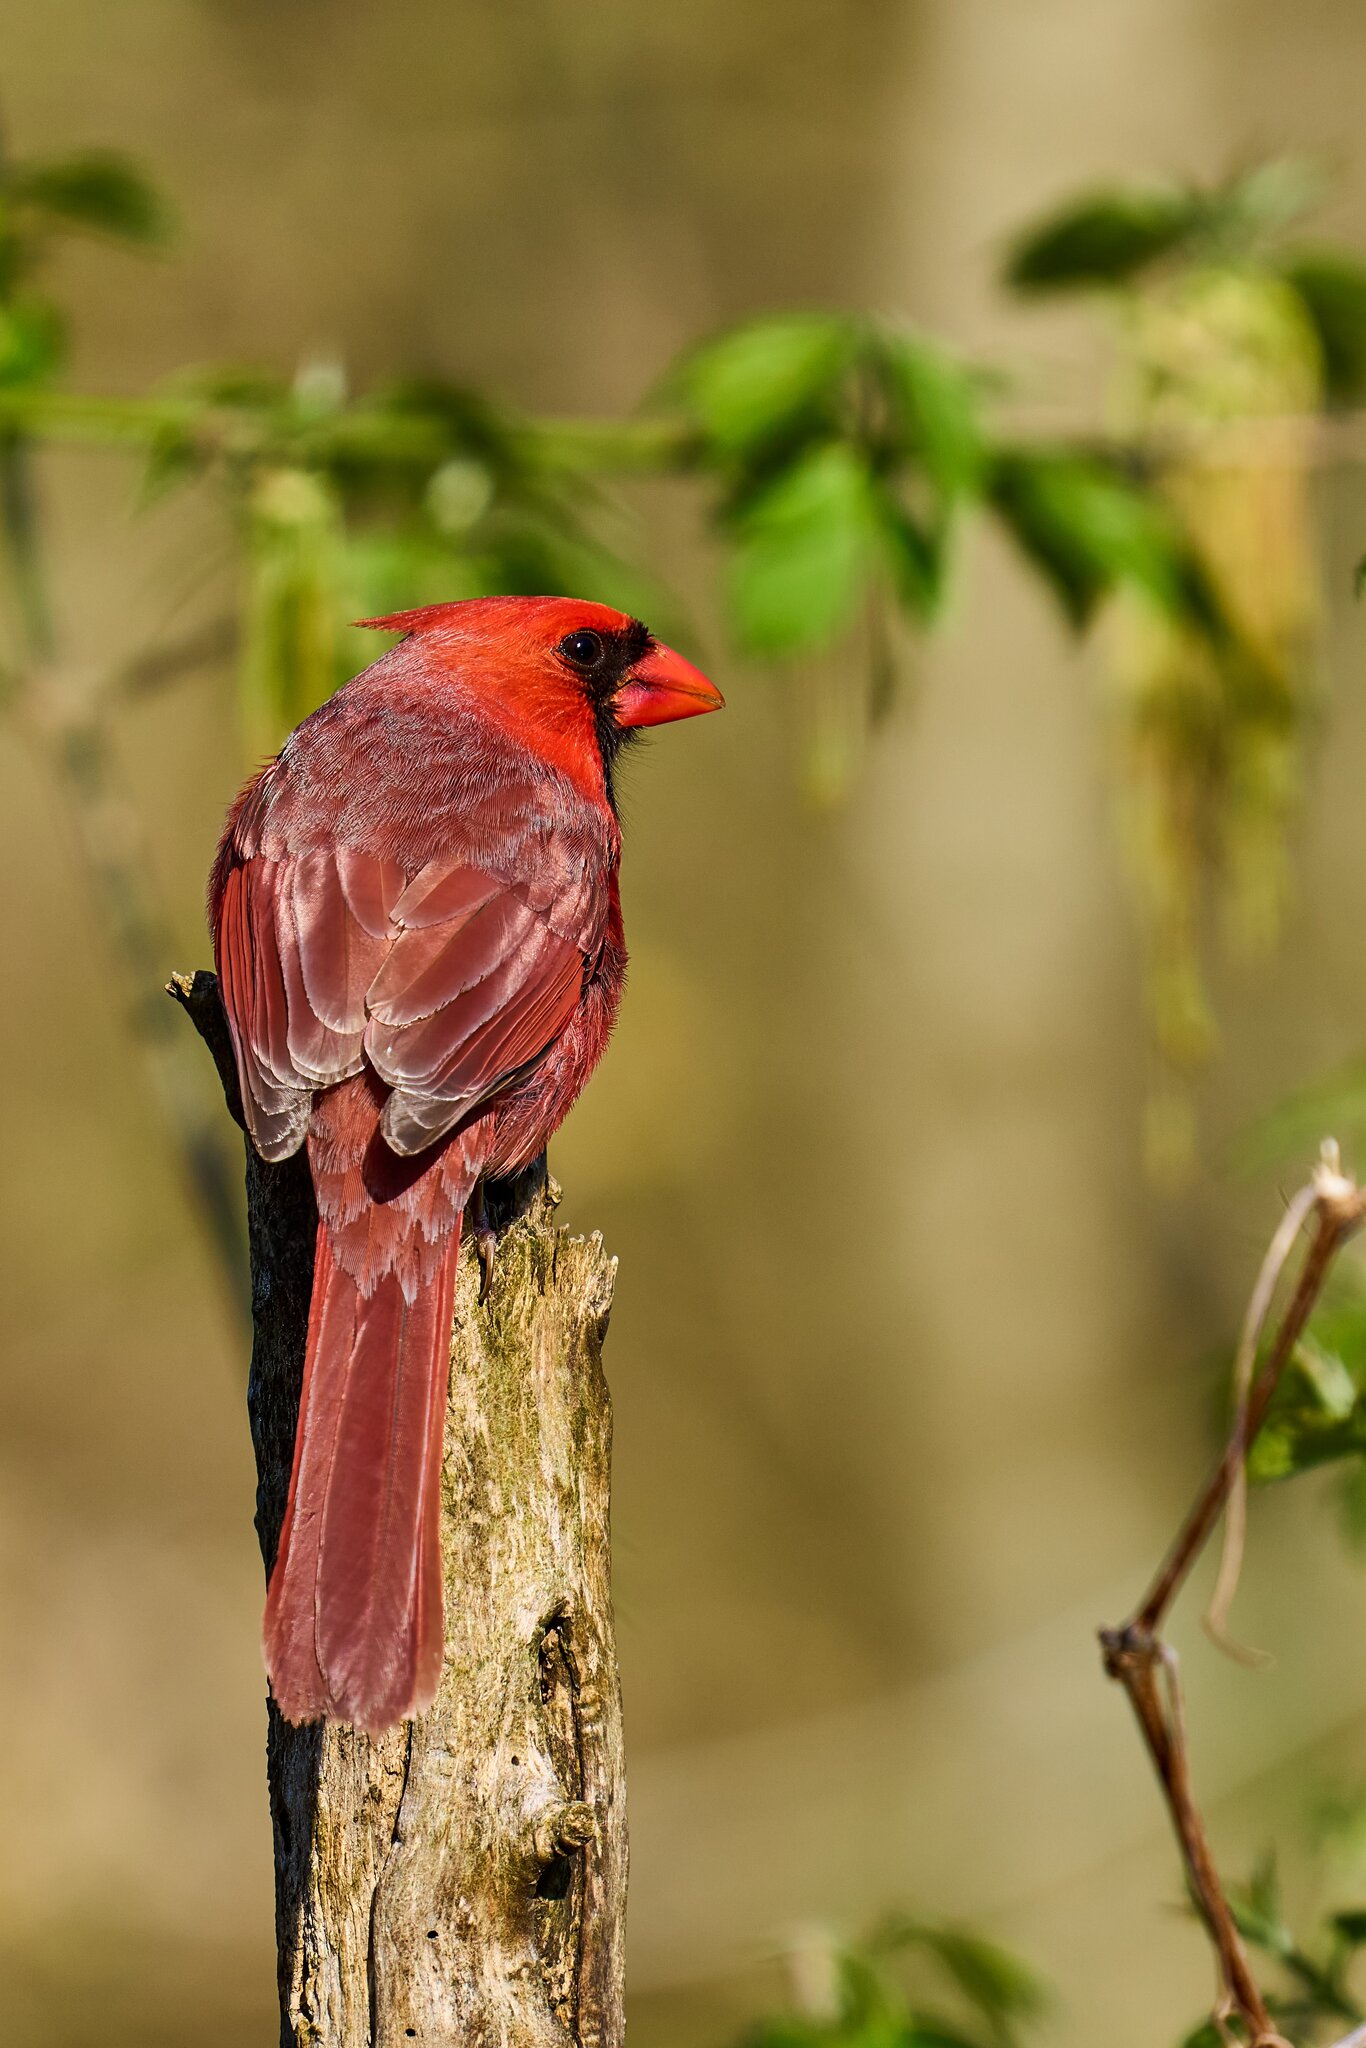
(906,1355)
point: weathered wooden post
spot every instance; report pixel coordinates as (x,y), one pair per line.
(461,1879)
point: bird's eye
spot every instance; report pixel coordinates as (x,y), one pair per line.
(584,649)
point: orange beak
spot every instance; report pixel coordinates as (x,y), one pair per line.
(663,686)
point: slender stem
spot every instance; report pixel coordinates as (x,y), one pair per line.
(1204,1513)
(1134,1654)
(1235,1516)
(383,437)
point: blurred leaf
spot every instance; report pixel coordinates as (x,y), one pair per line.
(1351,1926)
(941,404)
(244,386)
(1257,1909)
(1301,1436)
(1255,203)
(915,559)
(1089,529)
(1111,236)
(472,423)
(292,650)
(1333,1105)
(803,549)
(1206,2035)
(173,457)
(1105,237)
(995,1982)
(935,2034)
(1318,1413)
(753,386)
(98,190)
(32,342)
(1332,285)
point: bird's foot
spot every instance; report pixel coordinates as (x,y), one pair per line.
(485,1240)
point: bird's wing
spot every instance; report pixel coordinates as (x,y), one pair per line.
(449,983)
(481,978)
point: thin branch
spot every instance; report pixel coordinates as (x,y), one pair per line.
(382,437)
(1134,1653)
(641,445)
(156,667)
(1254,1322)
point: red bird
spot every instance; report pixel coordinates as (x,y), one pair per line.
(418,937)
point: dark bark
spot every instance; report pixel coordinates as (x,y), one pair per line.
(463,1878)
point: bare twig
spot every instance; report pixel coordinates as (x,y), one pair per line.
(1254,1322)
(1134,1653)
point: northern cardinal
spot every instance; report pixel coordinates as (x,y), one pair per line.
(418,937)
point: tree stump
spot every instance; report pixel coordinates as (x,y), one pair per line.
(462,1878)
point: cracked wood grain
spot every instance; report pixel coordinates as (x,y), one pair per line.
(461,1879)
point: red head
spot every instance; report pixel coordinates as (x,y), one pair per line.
(558,669)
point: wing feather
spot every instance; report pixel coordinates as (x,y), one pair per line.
(429,969)
(450,981)
(276,1109)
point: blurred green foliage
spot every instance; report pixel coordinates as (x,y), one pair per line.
(841,458)
(1312,2001)
(1317,1416)
(842,450)
(838,451)
(909,1984)
(919,1984)
(1229,335)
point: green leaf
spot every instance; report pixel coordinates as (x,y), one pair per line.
(996,1982)
(292,654)
(756,385)
(1002,1988)
(940,404)
(1335,1103)
(1259,1914)
(1318,1413)
(925,2033)
(173,457)
(1103,238)
(243,386)
(32,342)
(1330,1387)
(98,190)
(803,550)
(915,559)
(1258,202)
(1332,287)
(471,424)
(1206,2035)
(1351,1926)
(1089,529)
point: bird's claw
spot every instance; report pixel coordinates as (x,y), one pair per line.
(485,1240)
(485,1243)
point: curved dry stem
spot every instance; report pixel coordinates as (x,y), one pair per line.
(1301,1207)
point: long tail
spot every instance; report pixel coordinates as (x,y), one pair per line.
(354,1626)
